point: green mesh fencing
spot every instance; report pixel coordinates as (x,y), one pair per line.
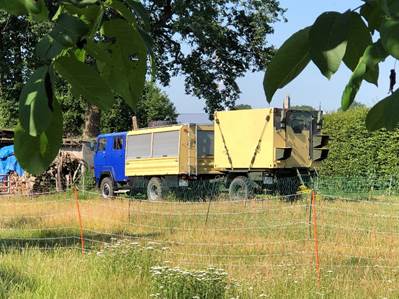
(357,187)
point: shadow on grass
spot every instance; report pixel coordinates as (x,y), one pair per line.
(11,279)
(58,239)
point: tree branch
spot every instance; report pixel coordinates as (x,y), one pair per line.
(165,16)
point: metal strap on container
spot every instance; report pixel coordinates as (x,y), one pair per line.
(224,143)
(257,149)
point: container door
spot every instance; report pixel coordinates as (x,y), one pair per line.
(299,132)
(192,150)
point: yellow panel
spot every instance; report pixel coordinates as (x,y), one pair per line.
(159,165)
(152,166)
(238,134)
(205,164)
(205,127)
(300,149)
(184,150)
(185,163)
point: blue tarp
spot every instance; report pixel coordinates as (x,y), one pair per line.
(8,162)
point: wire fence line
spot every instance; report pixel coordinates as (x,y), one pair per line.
(363,187)
(267,233)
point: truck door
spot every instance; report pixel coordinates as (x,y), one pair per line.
(116,156)
(99,157)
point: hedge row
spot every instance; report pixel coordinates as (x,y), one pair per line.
(355,152)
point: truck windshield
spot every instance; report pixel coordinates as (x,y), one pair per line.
(101,144)
(300,121)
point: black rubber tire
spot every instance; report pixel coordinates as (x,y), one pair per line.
(107,188)
(156,189)
(241,188)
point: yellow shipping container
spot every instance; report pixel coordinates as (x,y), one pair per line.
(262,139)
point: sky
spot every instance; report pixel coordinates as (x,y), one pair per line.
(310,88)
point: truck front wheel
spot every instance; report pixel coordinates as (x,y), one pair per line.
(107,187)
(241,188)
(156,189)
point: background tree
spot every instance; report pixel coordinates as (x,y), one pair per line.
(154,105)
(17,60)
(73,109)
(99,47)
(355,105)
(303,107)
(241,107)
(212,42)
(207,42)
(344,37)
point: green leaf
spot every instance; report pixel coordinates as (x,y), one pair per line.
(140,10)
(80,54)
(37,9)
(390,36)
(35,102)
(87,14)
(389,7)
(393,8)
(48,48)
(372,75)
(373,14)
(359,38)
(81,3)
(368,64)
(328,41)
(35,154)
(127,15)
(384,114)
(14,7)
(69,30)
(353,86)
(123,11)
(85,81)
(125,64)
(288,62)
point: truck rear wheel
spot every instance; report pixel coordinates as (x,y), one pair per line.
(156,189)
(241,188)
(107,187)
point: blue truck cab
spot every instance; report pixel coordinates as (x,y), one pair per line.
(109,162)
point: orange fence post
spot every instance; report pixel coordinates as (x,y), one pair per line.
(82,240)
(316,241)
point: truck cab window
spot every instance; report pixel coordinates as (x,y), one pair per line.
(101,144)
(300,121)
(205,140)
(118,143)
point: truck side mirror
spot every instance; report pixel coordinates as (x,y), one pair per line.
(93,145)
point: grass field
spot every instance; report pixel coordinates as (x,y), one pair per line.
(266,247)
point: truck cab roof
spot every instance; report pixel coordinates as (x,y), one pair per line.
(112,134)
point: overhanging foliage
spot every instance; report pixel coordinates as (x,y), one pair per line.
(344,37)
(91,44)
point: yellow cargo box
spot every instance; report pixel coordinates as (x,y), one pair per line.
(173,150)
(261,139)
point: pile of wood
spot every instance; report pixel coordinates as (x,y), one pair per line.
(63,172)
(19,185)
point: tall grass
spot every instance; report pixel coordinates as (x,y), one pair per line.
(265,246)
